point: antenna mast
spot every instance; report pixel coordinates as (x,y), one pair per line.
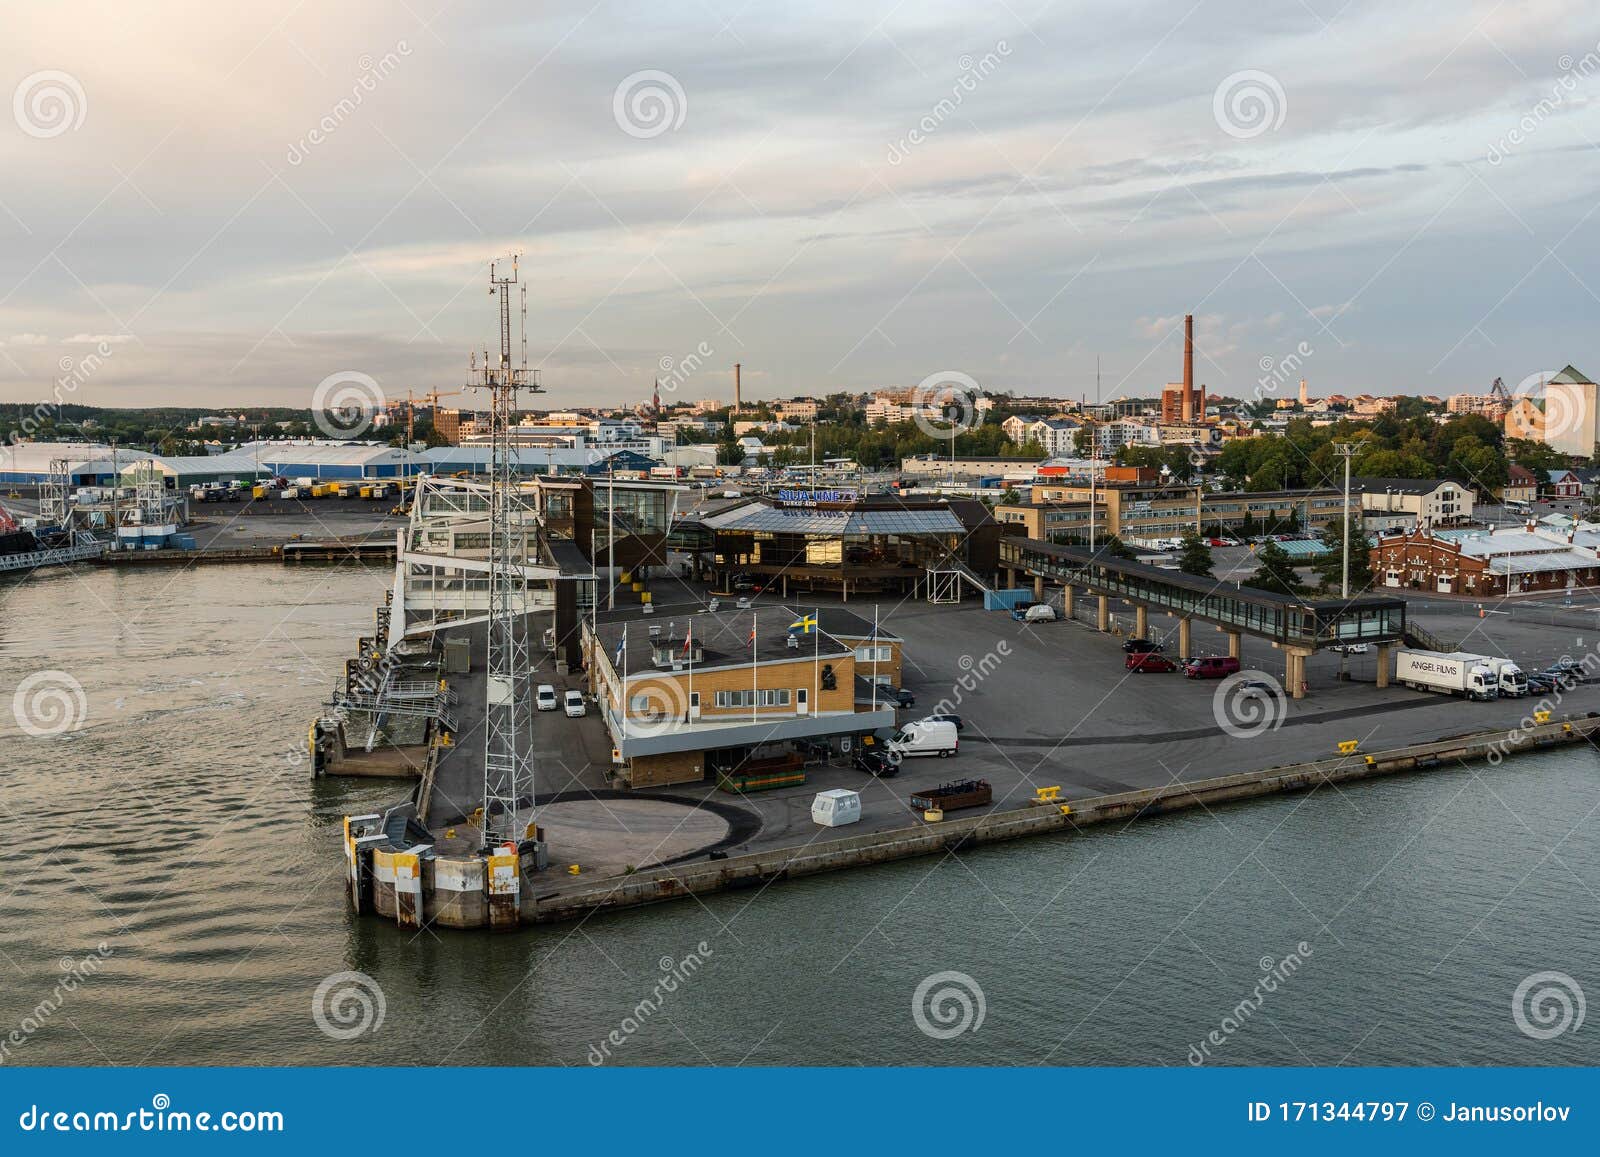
(508,783)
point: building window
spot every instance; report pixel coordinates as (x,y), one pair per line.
(874,654)
(753,698)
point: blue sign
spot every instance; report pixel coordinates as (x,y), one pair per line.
(815,497)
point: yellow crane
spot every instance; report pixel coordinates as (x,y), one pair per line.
(432,398)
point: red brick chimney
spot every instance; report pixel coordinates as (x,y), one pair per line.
(1188,369)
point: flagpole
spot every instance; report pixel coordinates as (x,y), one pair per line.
(688,710)
(874,656)
(755,689)
(816,663)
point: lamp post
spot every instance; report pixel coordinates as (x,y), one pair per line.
(1345,450)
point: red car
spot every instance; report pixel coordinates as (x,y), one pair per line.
(1146,661)
(1211,667)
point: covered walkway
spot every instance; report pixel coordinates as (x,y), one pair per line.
(1298,626)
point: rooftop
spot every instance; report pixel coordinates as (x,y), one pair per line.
(721,638)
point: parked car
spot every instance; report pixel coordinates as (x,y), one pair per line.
(1211,667)
(1563,675)
(1258,689)
(875,761)
(902,697)
(1141,646)
(545,697)
(572,702)
(1149,661)
(1540,684)
(1349,648)
(744,582)
(945,717)
(1019,613)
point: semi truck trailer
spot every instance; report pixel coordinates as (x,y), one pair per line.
(1456,673)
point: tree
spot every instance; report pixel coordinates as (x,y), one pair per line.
(1276,571)
(1114,546)
(1194,556)
(1331,566)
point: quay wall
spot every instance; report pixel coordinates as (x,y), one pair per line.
(759,869)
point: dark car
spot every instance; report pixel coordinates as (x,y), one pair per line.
(946,718)
(875,761)
(1540,684)
(1141,646)
(1564,675)
(744,582)
(1146,662)
(902,697)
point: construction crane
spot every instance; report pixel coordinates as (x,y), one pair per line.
(432,398)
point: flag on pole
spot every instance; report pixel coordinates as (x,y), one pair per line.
(805,624)
(622,643)
(688,639)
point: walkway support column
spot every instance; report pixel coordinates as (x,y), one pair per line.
(1184,639)
(1038,589)
(1233,644)
(1383,664)
(1104,617)
(1070,597)
(1141,621)
(1295,669)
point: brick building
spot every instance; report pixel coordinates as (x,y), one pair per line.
(1504,562)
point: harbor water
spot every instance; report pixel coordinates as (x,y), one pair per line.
(171,893)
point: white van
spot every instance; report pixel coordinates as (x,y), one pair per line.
(836,807)
(925,737)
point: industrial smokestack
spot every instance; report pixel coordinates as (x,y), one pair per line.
(737,405)
(1188,368)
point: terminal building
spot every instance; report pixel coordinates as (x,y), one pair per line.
(1138,506)
(747,697)
(847,543)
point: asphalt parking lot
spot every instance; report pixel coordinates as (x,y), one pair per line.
(1052,705)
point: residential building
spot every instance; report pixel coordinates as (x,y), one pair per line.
(1521,485)
(1056,435)
(1572,413)
(1392,503)
(1562,484)
(1488,405)
(1524,419)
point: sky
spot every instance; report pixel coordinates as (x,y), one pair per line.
(227,205)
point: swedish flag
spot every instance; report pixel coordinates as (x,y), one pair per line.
(804,625)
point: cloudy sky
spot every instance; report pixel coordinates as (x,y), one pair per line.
(230,202)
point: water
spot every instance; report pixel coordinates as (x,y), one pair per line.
(179,827)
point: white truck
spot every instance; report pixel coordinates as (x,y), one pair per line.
(1456,673)
(1512,681)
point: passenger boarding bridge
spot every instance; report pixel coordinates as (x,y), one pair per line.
(1298,626)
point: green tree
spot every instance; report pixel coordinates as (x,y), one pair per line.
(1194,556)
(1275,571)
(1331,566)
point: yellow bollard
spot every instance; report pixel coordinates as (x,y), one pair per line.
(1065,810)
(573,869)
(1047,794)
(933,815)
(1541,717)
(1348,746)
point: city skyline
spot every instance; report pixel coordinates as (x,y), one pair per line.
(850,200)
